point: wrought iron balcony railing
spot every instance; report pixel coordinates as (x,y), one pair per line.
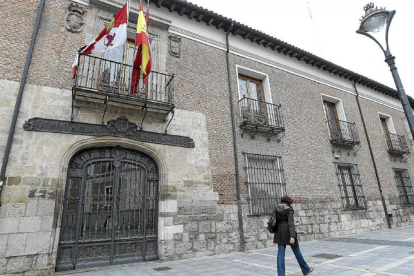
(261,116)
(342,132)
(397,143)
(102,79)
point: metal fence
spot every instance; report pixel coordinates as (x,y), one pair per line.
(397,143)
(265,182)
(342,131)
(261,113)
(352,194)
(102,75)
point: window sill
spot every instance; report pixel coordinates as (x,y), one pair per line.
(354,209)
(258,216)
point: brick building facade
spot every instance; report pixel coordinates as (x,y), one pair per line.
(74,197)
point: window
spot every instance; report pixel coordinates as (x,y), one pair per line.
(116,68)
(265,182)
(250,88)
(340,131)
(253,107)
(350,186)
(113,72)
(410,135)
(404,186)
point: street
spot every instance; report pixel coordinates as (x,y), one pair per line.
(385,252)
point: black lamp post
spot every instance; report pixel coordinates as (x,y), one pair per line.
(373,22)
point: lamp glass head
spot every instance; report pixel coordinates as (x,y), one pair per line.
(375,22)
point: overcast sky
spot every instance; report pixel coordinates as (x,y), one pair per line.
(327,28)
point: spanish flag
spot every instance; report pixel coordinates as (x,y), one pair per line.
(143,57)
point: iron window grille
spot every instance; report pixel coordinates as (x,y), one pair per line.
(350,186)
(405,188)
(265,182)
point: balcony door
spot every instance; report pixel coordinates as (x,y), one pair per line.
(253,105)
(333,121)
(386,133)
(115,76)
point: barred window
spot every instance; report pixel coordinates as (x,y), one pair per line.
(405,188)
(350,186)
(265,182)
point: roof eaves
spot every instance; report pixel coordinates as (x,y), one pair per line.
(211,18)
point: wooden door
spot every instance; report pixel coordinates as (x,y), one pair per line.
(386,133)
(333,121)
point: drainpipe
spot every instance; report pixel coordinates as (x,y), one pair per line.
(19,99)
(372,156)
(236,159)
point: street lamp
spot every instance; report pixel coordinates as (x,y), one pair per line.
(374,21)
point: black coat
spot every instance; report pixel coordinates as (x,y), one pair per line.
(285,227)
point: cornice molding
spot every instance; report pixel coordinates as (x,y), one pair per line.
(260,39)
(286,68)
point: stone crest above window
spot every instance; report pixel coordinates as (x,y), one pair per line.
(74,19)
(174,46)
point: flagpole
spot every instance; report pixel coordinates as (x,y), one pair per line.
(129,8)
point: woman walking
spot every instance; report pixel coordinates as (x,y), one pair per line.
(285,234)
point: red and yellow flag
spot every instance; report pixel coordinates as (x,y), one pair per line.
(143,57)
(113,35)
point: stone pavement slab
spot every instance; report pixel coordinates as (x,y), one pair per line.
(382,253)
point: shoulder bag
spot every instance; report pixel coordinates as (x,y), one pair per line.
(271,224)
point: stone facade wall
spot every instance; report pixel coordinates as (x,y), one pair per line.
(31,208)
(201,84)
(198,214)
(318,221)
(306,152)
(200,228)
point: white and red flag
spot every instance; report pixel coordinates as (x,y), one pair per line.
(143,57)
(113,35)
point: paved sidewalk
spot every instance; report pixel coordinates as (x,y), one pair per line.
(386,252)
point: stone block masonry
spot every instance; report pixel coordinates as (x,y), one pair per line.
(199,228)
(318,221)
(26,238)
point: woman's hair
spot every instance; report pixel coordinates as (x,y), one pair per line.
(286,200)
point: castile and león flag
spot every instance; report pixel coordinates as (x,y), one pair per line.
(114,35)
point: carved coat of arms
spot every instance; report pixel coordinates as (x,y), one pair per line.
(122,126)
(175,46)
(74,20)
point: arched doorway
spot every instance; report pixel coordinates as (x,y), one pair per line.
(110,210)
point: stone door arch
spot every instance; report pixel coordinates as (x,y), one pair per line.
(110,211)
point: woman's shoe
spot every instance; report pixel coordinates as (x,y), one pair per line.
(310,271)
